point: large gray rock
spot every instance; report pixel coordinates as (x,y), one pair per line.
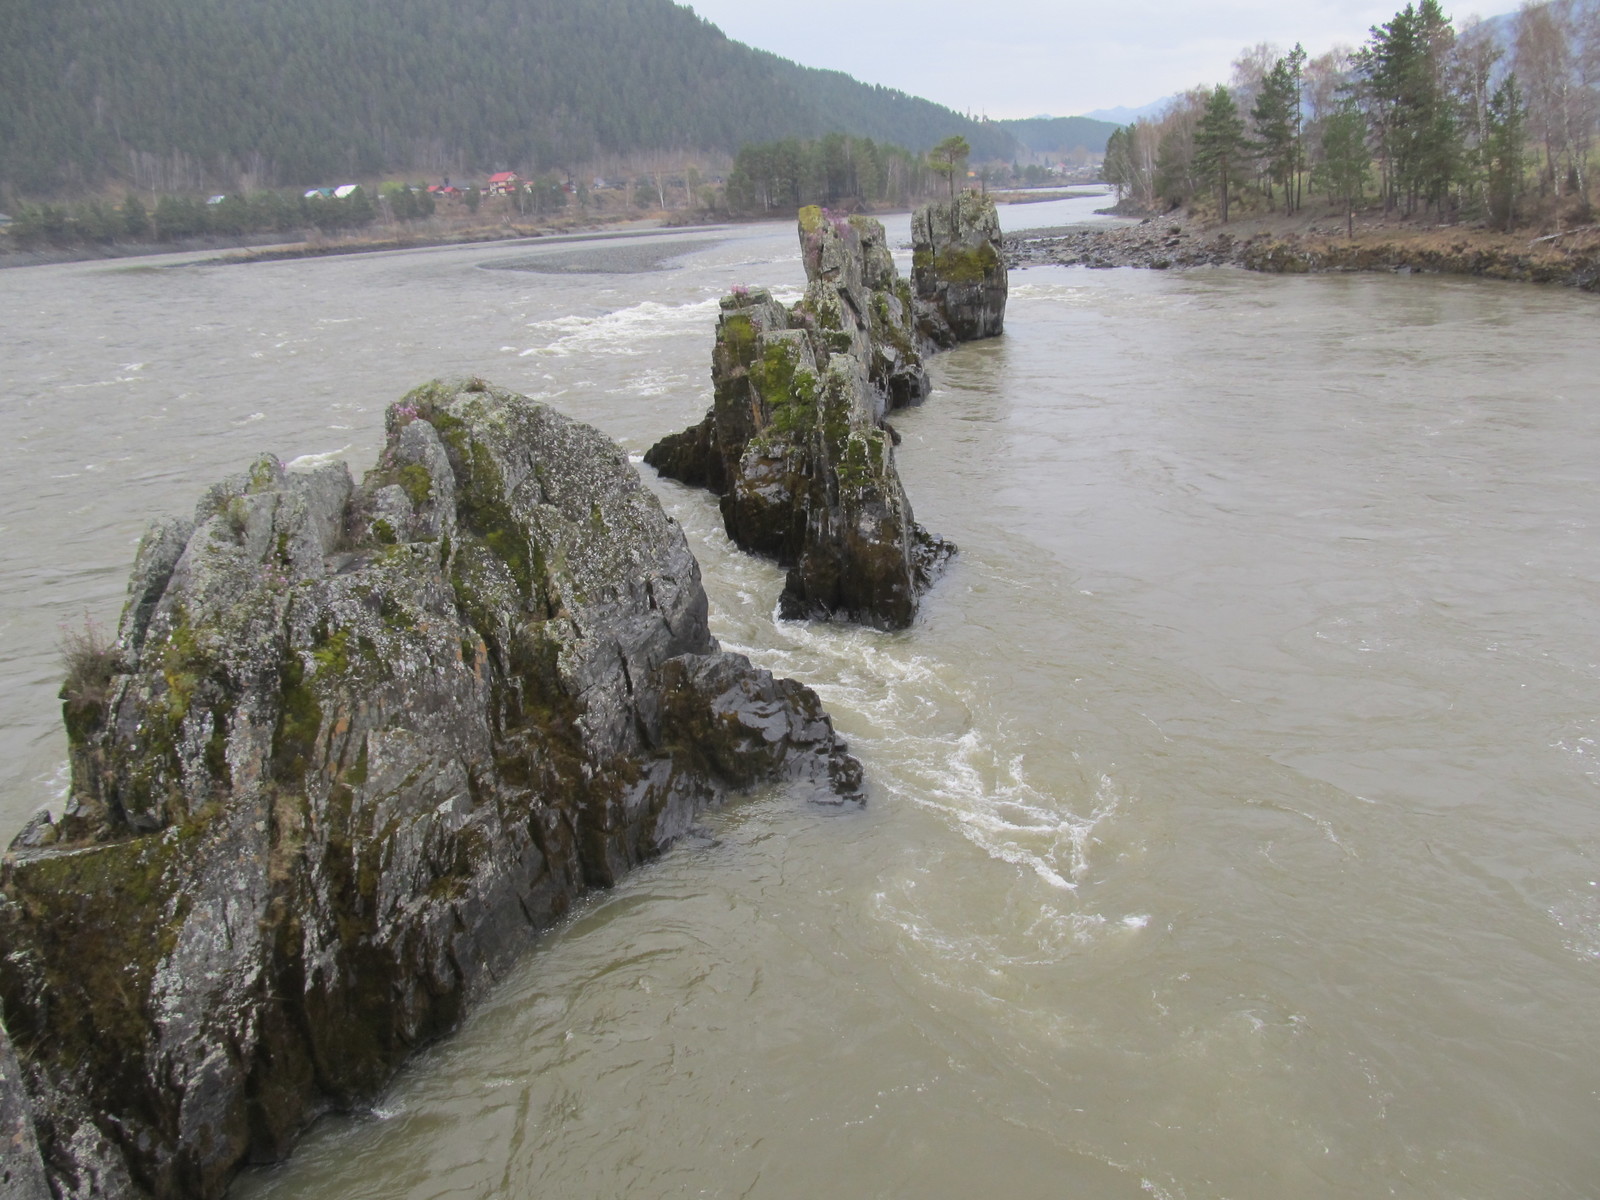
(353,744)
(958,271)
(853,288)
(22,1174)
(795,443)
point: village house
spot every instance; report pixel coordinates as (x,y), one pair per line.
(504,183)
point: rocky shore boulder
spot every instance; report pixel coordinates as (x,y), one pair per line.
(958,271)
(352,745)
(22,1175)
(795,443)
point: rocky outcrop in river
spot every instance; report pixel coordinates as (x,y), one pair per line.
(958,271)
(353,743)
(795,442)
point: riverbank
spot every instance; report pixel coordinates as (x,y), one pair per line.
(278,247)
(1039,195)
(449,230)
(1317,243)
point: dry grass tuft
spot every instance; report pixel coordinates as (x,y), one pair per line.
(89,656)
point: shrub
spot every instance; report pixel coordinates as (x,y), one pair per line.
(90,659)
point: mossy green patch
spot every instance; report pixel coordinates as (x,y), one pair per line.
(861,460)
(299,721)
(333,656)
(263,476)
(237,515)
(788,389)
(968,266)
(104,918)
(485,511)
(416,481)
(738,333)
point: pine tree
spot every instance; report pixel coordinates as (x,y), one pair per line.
(949,157)
(1117,168)
(1503,151)
(1276,114)
(135,220)
(1402,73)
(1219,143)
(359,209)
(1346,161)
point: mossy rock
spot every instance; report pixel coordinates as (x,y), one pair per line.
(337,776)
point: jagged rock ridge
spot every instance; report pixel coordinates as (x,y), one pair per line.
(795,443)
(353,744)
(958,270)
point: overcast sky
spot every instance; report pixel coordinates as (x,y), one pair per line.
(1019,58)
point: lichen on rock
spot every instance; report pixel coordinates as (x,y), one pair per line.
(358,741)
(796,444)
(958,271)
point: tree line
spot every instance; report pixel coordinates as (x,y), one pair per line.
(835,170)
(1495,120)
(173,218)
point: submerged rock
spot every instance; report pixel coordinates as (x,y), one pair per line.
(795,443)
(352,745)
(958,270)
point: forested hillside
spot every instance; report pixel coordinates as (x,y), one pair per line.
(175,94)
(1061,135)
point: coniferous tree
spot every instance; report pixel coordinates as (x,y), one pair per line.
(776,176)
(1403,73)
(97,223)
(1504,150)
(1219,144)
(135,220)
(950,157)
(360,211)
(1276,114)
(1117,166)
(1346,161)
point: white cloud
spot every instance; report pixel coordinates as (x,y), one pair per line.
(1015,58)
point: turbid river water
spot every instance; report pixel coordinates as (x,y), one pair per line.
(1235,817)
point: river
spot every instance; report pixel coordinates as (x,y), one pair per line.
(1235,800)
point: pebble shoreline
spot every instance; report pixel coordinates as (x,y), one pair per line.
(1156,243)
(1172,243)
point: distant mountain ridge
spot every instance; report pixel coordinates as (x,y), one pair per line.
(1127,116)
(199,93)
